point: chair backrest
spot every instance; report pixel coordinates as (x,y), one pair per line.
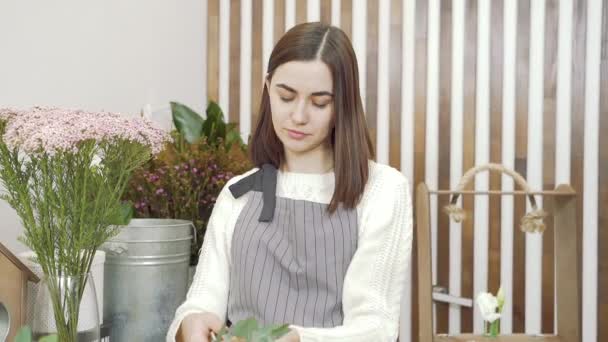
(566,258)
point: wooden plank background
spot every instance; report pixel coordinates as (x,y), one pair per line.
(551,142)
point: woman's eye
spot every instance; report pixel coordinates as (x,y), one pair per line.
(321,106)
(285,99)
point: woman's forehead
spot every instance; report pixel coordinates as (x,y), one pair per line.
(304,76)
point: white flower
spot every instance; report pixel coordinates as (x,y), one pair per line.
(488,304)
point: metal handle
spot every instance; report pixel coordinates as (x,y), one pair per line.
(193,232)
(440,294)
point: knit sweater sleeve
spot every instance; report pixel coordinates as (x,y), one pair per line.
(374,280)
(209,289)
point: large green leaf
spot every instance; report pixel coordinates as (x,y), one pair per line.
(245,328)
(188,123)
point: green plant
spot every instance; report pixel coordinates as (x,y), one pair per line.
(184,180)
(64,172)
(193,127)
(249,330)
(25,335)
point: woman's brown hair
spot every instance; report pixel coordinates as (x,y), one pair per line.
(350,138)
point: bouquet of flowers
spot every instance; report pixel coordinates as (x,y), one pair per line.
(64,172)
(184,180)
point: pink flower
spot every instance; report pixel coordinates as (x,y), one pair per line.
(50,130)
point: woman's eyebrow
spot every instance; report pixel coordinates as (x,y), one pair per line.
(317,93)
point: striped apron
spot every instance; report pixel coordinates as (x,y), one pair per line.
(289,257)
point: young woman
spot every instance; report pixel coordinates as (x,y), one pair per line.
(318,235)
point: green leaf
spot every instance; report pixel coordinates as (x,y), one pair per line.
(279,330)
(245,328)
(188,122)
(124,215)
(24,334)
(214,112)
(49,338)
(233,137)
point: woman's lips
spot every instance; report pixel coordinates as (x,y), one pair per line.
(297,135)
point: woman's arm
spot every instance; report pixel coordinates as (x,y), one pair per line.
(209,290)
(375,277)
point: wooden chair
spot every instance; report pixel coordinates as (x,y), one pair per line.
(566,261)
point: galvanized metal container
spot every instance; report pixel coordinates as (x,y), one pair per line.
(146,278)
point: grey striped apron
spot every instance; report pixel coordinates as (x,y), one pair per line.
(289,257)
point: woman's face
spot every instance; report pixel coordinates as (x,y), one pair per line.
(301,102)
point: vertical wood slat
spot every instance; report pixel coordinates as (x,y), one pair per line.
(245,117)
(549,136)
(205,45)
(301,11)
(468,157)
(346,17)
(603,187)
(406,146)
(590,170)
(456,152)
(256,62)
(325,16)
(279,19)
(224,57)
(359,42)
(313,10)
(267,35)
(235,60)
(508,159)
(443,143)
(482,156)
(290,14)
(213,29)
(496,83)
(521,148)
(395,84)
(383,55)
(432,121)
(579,35)
(534,164)
(420,52)
(371,71)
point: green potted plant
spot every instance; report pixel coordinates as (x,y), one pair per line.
(184,180)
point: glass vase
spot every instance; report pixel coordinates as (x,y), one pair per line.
(491,329)
(67,307)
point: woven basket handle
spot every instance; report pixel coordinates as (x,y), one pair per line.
(531,222)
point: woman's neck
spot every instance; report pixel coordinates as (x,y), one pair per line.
(316,161)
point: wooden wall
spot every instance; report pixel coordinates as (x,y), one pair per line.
(523,83)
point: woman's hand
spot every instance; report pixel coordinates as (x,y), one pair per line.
(197,327)
(292,336)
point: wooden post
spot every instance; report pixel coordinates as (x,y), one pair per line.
(567,267)
(425,286)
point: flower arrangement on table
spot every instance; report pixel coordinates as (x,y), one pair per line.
(490,307)
(184,180)
(65,172)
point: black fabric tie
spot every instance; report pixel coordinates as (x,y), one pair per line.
(265,180)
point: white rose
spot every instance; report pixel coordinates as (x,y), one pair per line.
(488,304)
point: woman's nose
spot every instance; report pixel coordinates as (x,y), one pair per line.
(299,115)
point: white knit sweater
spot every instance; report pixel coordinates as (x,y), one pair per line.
(374,279)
